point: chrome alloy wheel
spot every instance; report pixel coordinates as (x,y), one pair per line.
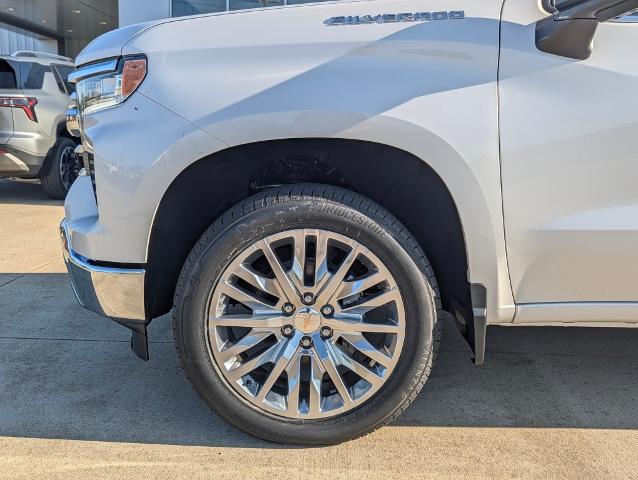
(306,324)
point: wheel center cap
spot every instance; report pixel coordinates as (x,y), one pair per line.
(307,320)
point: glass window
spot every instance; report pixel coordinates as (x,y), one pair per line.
(195,7)
(7,76)
(62,76)
(242,4)
(32,75)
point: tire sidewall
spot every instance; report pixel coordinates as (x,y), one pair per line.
(52,180)
(221,246)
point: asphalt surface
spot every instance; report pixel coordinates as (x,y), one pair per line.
(75,402)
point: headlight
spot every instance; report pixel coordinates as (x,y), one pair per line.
(107,90)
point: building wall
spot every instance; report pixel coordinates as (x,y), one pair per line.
(13,39)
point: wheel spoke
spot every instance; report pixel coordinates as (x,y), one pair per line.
(294,382)
(355,287)
(255,304)
(333,282)
(259,282)
(246,342)
(298,270)
(280,365)
(391,295)
(356,325)
(327,355)
(250,365)
(351,364)
(360,342)
(321,260)
(316,375)
(283,280)
(249,321)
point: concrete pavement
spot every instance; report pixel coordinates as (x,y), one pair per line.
(75,402)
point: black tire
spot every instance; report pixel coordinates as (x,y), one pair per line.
(308,206)
(52,181)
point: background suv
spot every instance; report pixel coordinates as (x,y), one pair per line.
(34,96)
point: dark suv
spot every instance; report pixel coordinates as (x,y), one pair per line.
(34,143)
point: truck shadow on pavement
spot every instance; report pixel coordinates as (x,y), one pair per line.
(24,193)
(66,373)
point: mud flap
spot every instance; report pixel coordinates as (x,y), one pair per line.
(139,343)
(473,325)
(139,337)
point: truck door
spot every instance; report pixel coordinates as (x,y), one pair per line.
(569,131)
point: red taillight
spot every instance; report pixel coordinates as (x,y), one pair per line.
(26,104)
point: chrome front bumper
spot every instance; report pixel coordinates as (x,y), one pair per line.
(117,293)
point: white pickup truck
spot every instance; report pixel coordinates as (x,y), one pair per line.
(310,188)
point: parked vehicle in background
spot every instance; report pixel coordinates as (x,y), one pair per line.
(309,188)
(34,143)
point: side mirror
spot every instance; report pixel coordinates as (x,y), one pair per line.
(570,30)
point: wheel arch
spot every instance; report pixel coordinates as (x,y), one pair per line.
(60,132)
(403,183)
